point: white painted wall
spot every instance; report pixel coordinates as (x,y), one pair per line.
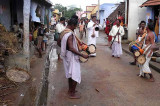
(136,15)
(33,13)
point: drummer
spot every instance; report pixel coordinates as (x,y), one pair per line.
(70,55)
(148,43)
(140,41)
(141,29)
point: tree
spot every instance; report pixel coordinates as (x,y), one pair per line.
(67,13)
(71,11)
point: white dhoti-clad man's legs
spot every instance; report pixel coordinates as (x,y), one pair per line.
(145,67)
(116,49)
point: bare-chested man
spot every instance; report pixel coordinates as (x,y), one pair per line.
(141,32)
(148,43)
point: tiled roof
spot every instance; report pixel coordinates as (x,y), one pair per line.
(112,17)
(151,3)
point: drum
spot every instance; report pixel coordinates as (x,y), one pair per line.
(83,60)
(17,75)
(137,53)
(131,44)
(91,49)
(141,59)
(136,50)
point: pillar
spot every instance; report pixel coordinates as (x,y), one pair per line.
(26,15)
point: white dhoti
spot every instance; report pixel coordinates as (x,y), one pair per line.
(116,49)
(70,60)
(145,67)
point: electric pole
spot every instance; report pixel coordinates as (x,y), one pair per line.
(98,9)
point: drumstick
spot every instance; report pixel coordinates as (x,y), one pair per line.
(79,41)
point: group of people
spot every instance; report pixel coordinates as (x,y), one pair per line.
(38,34)
(146,39)
(18,29)
(68,48)
(40,37)
(146,36)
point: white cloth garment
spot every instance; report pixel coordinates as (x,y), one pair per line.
(145,67)
(97,32)
(53,20)
(139,39)
(116,49)
(116,46)
(70,60)
(59,27)
(114,31)
(91,31)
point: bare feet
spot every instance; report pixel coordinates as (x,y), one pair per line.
(151,80)
(74,95)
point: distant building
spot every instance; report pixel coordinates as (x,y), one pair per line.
(105,10)
(153,11)
(89,10)
(12,10)
(134,15)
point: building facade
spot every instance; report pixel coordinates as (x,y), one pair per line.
(134,15)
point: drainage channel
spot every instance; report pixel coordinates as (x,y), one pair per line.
(44,91)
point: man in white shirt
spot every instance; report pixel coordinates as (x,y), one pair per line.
(92,34)
(59,28)
(117,32)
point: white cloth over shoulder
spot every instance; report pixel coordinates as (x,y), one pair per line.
(114,31)
(70,60)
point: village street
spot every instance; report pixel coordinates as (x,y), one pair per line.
(106,81)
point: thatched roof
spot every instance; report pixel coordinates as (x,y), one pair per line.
(112,17)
